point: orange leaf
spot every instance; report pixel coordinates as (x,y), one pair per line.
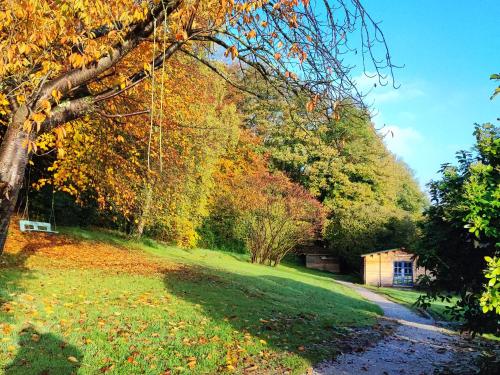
(251,34)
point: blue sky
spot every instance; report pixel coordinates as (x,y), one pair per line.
(449,49)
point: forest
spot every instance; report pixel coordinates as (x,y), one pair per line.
(181,180)
(155,159)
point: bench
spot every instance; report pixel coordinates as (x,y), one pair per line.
(35,226)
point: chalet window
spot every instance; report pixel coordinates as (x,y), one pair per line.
(403,273)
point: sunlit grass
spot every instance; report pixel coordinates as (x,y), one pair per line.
(408,297)
(214,312)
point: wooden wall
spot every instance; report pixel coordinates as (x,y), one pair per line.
(379,268)
(322,262)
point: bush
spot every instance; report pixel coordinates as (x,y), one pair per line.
(461,234)
(280,216)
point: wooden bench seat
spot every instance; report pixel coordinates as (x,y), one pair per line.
(35,226)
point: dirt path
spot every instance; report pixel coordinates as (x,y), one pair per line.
(418,346)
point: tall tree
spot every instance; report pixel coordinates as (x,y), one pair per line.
(61,61)
(105,159)
(372,198)
(462,228)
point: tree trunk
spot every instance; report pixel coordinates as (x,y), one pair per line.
(145,211)
(13,161)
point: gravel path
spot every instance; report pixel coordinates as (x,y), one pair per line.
(418,346)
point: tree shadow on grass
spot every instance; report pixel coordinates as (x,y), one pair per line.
(43,354)
(12,270)
(38,353)
(312,321)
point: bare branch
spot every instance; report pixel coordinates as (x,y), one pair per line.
(121,115)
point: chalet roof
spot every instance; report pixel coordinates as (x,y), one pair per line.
(387,251)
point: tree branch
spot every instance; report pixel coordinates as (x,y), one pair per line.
(121,115)
(77,77)
(221,74)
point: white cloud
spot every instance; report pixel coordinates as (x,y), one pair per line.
(378,93)
(404,142)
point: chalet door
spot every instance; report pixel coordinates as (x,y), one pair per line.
(403,274)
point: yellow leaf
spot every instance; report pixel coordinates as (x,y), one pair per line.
(38,117)
(72,359)
(32,146)
(27,126)
(3,99)
(56,94)
(45,106)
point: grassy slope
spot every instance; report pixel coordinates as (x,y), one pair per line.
(78,306)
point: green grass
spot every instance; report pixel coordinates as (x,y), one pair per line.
(215,313)
(408,297)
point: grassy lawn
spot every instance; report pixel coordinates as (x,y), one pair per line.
(92,302)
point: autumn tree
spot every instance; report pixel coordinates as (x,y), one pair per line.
(243,159)
(372,199)
(281,216)
(266,212)
(62,61)
(106,159)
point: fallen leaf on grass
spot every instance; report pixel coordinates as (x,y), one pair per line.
(106,368)
(6,328)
